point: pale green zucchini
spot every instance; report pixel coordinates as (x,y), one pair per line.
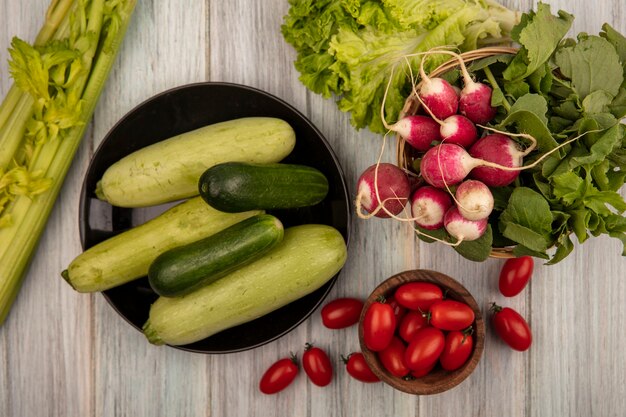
(128,256)
(306,259)
(169,170)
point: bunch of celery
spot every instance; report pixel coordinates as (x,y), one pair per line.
(43,117)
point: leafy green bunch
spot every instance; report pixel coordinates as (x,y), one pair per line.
(562,92)
(347,48)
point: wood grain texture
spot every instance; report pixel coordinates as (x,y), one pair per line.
(68,354)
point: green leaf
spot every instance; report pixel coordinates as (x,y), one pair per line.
(527,219)
(528,113)
(477,250)
(592,65)
(618,105)
(617,40)
(597,201)
(579,222)
(564,247)
(516,89)
(488,61)
(599,175)
(568,109)
(521,250)
(597,102)
(603,146)
(539,34)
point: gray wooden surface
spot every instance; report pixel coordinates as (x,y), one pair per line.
(69,354)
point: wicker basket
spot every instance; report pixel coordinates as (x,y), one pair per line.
(406,154)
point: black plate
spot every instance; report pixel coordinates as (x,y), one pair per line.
(183,109)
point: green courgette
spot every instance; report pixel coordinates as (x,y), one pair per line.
(169,170)
(128,256)
(233,186)
(306,259)
(186,268)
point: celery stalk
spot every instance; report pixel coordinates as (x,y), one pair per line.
(108,20)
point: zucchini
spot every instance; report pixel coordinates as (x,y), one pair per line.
(306,259)
(128,256)
(186,268)
(169,170)
(233,186)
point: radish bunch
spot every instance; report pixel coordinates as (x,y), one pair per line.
(457,164)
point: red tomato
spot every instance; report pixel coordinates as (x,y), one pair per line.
(418,295)
(392,358)
(398,310)
(424,349)
(451,315)
(379,325)
(515,274)
(411,323)
(342,312)
(317,365)
(511,327)
(279,376)
(456,351)
(358,368)
(423,372)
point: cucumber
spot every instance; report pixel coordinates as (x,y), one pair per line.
(306,259)
(169,170)
(186,268)
(128,256)
(233,186)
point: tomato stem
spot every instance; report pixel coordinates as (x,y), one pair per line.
(294,358)
(381,299)
(345,359)
(307,346)
(495,308)
(467,333)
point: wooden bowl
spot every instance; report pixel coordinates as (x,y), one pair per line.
(438,380)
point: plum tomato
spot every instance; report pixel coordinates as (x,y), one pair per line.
(423,372)
(457,350)
(341,313)
(425,349)
(418,295)
(379,325)
(411,323)
(515,274)
(398,310)
(451,315)
(317,365)
(358,369)
(279,375)
(392,358)
(511,327)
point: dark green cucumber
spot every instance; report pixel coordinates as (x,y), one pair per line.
(234,187)
(184,269)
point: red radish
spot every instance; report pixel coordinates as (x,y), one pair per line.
(446,161)
(428,206)
(393,190)
(461,228)
(418,131)
(474,200)
(459,130)
(439,96)
(475,102)
(475,99)
(500,150)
